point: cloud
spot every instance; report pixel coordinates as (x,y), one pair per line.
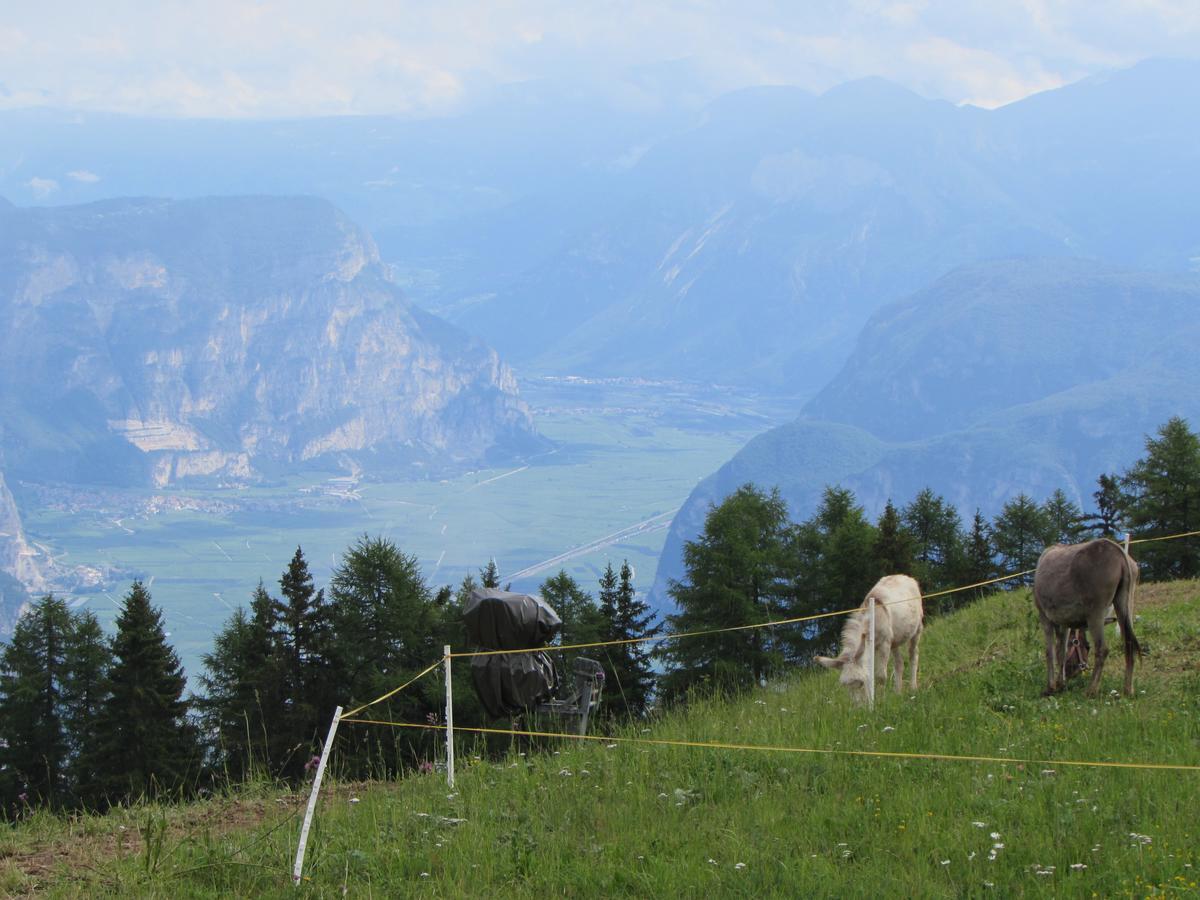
(83,176)
(310,57)
(42,187)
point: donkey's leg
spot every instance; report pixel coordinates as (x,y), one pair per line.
(1050,632)
(914,657)
(1096,630)
(898,665)
(1062,636)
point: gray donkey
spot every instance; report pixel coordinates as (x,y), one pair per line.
(1074,586)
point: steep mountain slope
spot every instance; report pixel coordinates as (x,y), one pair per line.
(754,246)
(1003,377)
(155,340)
(745,243)
(18,568)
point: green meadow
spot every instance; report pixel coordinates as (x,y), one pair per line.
(796,812)
(625,456)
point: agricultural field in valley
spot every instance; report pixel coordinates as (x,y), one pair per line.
(626,455)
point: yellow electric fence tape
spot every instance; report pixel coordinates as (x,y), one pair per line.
(689,634)
(720,745)
(394,691)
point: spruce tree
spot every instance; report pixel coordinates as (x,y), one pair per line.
(582,622)
(489,575)
(35,750)
(978,563)
(245,698)
(893,548)
(1106,520)
(1163,498)
(306,643)
(89,656)
(631,679)
(144,745)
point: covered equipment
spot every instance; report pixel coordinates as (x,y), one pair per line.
(508,684)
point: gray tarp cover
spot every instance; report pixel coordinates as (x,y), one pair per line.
(500,620)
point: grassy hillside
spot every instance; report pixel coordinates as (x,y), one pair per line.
(618,818)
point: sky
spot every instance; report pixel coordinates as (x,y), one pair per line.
(238,58)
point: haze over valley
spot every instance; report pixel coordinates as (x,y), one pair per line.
(552,329)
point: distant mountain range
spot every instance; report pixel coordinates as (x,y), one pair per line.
(1003,377)
(148,341)
(745,242)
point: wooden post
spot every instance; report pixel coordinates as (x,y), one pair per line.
(449,720)
(871,667)
(1127,537)
(298,868)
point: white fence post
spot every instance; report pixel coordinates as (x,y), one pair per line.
(871,667)
(312,798)
(1127,537)
(449,720)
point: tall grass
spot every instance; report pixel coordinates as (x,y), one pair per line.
(617,818)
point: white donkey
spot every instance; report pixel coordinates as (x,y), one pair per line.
(899,619)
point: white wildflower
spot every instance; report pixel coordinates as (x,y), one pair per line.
(1078,866)
(739,866)
(980,824)
(887,728)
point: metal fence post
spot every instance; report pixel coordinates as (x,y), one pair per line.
(449,720)
(871,678)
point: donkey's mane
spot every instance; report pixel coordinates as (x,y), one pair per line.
(852,633)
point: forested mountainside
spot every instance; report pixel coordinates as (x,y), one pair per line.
(745,242)
(1003,377)
(148,341)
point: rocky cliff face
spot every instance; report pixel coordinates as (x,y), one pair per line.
(19,569)
(154,341)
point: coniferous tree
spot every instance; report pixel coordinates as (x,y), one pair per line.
(1064,518)
(489,575)
(1163,498)
(1020,533)
(631,679)
(305,638)
(35,751)
(737,573)
(89,655)
(1106,520)
(386,629)
(144,744)
(893,548)
(582,622)
(244,691)
(978,562)
(937,539)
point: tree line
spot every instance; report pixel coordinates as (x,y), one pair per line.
(87,721)
(751,564)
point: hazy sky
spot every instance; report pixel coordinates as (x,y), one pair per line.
(299,57)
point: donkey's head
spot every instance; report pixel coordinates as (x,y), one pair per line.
(851,662)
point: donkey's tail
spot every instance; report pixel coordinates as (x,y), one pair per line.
(1129,580)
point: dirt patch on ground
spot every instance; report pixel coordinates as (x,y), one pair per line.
(79,849)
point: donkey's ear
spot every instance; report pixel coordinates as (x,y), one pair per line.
(835,663)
